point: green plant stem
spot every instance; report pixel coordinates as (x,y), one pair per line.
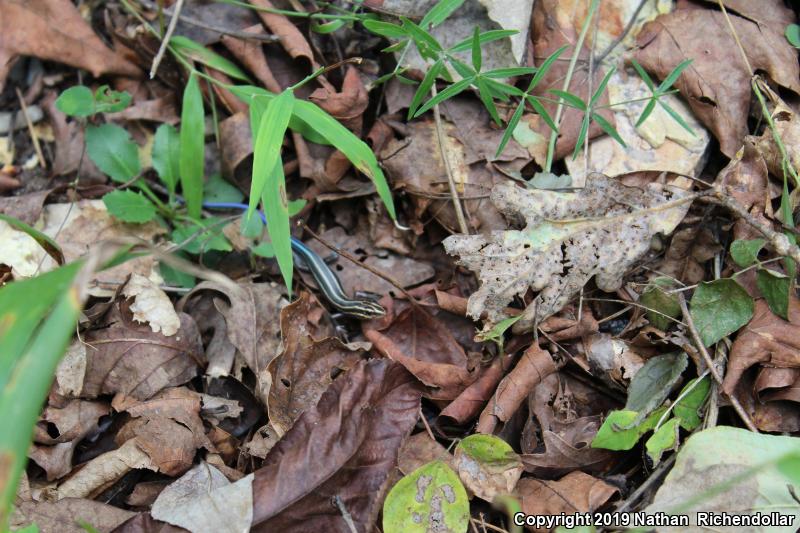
(289,13)
(551,147)
(777,138)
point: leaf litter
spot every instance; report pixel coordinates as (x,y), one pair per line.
(603,285)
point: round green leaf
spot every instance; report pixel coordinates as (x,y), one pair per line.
(129,206)
(776,289)
(745,252)
(113,151)
(76,101)
(431,498)
(665,438)
(720,308)
(793,35)
(659,302)
(688,407)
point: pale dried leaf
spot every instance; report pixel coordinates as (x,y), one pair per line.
(151,305)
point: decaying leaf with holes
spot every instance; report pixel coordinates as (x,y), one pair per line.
(598,231)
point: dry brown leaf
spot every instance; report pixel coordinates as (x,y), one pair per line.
(469,403)
(72,422)
(305,368)
(291,38)
(420,449)
(346,446)
(348,105)
(161,109)
(488,478)
(574,493)
(425,346)
(534,366)
(129,358)
(63,516)
(767,340)
(720,97)
(598,231)
(54,30)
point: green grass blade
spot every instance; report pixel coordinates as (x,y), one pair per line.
(267,144)
(648,109)
(192,150)
(49,245)
(679,119)
(608,128)
(385,29)
(198,52)
(510,72)
(502,90)
(166,156)
(425,87)
(544,68)
(486,97)
(439,13)
(477,57)
(34,333)
(672,77)
(584,131)
(542,112)
(276,210)
(356,150)
(602,87)
(449,92)
(571,99)
(644,75)
(510,128)
(427,45)
(485,37)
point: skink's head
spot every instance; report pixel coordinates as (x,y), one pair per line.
(364,309)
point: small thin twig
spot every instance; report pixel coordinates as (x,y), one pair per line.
(462,222)
(173,22)
(425,423)
(736,38)
(264,37)
(621,36)
(711,366)
(29,122)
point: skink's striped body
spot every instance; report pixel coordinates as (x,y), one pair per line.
(326,279)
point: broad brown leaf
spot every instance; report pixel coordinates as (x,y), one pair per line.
(54,30)
(720,97)
(346,446)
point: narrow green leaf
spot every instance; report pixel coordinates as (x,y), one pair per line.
(541,111)
(110,148)
(745,252)
(776,289)
(672,77)
(397,47)
(477,59)
(200,53)
(486,98)
(502,91)
(167,155)
(268,183)
(485,37)
(720,308)
(653,383)
(425,87)
(584,131)
(76,101)
(572,99)
(49,245)
(644,75)
(676,117)
(439,13)
(192,147)
(544,68)
(463,70)
(129,206)
(602,87)
(327,27)
(510,129)
(357,151)
(651,104)
(449,92)
(503,73)
(385,29)
(427,45)
(608,128)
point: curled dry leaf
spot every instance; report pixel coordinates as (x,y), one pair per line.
(574,493)
(346,446)
(720,98)
(151,305)
(348,105)
(568,238)
(469,403)
(534,366)
(426,347)
(204,500)
(54,30)
(487,465)
(129,358)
